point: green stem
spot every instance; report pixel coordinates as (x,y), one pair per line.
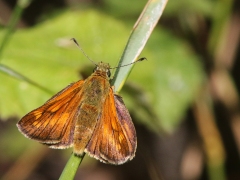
(137,40)
(15,74)
(71,167)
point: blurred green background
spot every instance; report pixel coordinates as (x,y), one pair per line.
(184,100)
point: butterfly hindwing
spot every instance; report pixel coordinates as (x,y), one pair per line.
(114,137)
(127,124)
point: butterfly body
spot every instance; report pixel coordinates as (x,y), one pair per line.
(88,116)
(95,90)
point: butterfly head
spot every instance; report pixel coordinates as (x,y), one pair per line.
(103,68)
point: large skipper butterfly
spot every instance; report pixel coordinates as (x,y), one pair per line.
(87,116)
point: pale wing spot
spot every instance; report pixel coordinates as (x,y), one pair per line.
(114,126)
(36,124)
(121,137)
(55,109)
(118,147)
(37,114)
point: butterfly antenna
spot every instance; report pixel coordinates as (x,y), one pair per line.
(141,59)
(79,47)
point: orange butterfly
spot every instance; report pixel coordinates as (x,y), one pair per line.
(87,116)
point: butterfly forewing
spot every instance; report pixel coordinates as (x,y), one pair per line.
(53,122)
(114,137)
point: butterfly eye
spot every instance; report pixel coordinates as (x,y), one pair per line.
(108,73)
(95,69)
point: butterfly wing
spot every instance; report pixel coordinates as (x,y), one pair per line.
(114,139)
(53,122)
